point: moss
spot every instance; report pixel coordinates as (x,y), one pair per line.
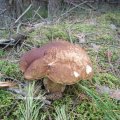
(107,79)
(5,98)
(85,28)
(5,102)
(65,100)
(56,32)
(47,33)
(114,18)
(104,37)
(2,53)
(63,31)
(9,68)
(88,110)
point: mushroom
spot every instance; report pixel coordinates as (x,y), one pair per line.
(36,53)
(61,62)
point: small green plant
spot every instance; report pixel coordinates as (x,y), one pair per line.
(31,107)
(61,113)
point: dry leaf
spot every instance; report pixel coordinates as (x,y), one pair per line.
(113,93)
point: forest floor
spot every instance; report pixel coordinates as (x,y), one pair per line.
(98,32)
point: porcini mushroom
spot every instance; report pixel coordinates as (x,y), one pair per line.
(61,62)
(36,53)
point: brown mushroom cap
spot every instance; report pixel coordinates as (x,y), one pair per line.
(36,53)
(60,61)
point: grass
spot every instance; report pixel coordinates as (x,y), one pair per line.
(105,105)
(30,108)
(61,113)
(80,101)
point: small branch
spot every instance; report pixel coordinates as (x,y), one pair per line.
(40,16)
(23,13)
(72,9)
(36,11)
(90,6)
(2,12)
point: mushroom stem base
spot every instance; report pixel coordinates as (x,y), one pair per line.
(52,87)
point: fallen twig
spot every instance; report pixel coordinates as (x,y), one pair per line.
(23,13)
(71,10)
(89,5)
(3,11)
